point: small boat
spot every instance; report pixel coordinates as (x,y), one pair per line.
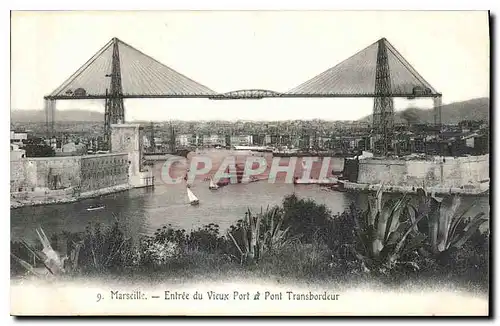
(223,183)
(95,208)
(338,187)
(254,179)
(212,185)
(193,200)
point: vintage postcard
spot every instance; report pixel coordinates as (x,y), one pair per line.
(313,163)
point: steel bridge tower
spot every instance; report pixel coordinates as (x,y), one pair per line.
(114,111)
(383,106)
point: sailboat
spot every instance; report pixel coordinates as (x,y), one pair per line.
(213,185)
(193,200)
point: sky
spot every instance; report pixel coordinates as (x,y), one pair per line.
(234,50)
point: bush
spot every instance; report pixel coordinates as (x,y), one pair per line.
(470,262)
(100,249)
(341,234)
(307,219)
(207,239)
(169,246)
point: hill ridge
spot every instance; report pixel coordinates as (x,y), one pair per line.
(452,113)
(62,116)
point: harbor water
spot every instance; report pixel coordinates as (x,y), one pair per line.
(142,211)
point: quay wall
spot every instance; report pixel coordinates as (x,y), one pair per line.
(40,197)
(447,172)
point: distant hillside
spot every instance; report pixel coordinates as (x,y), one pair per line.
(453,113)
(61,116)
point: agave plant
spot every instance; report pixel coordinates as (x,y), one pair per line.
(274,236)
(447,228)
(51,260)
(250,229)
(260,233)
(96,251)
(386,232)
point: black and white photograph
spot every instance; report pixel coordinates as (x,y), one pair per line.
(250,163)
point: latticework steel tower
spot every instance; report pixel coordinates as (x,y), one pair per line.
(383,106)
(114,110)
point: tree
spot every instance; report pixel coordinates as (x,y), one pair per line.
(306,218)
(39,150)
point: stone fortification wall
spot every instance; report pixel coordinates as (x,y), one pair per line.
(99,171)
(63,179)
(52,172)
(81,173)
(438,172)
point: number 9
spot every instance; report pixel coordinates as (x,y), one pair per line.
(99,297)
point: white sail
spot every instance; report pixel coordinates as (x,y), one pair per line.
(191,196)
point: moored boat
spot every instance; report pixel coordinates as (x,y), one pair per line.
(212,185)
(95,208)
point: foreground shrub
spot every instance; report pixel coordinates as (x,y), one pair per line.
(207,239)
(470,262)
(306,219)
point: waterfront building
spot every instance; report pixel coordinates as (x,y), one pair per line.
(241,140)
(214,140)
(16,153)
(18,136)
(183,140)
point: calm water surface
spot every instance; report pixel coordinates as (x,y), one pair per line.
(143,211)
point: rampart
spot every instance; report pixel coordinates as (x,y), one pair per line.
(443,172)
